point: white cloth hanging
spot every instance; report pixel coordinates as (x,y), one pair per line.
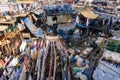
(23,46)
(50,21)
(20,26)
(20,8)
(14,62)
(23,74)
(77,20)
(87,23)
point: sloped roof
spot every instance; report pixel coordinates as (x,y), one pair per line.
(87,13)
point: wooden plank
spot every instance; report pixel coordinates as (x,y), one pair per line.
(2,28)
(26,1)
(21,15)
(27,13)
(26,35)
(7,22)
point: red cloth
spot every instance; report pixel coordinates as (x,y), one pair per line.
(38,46)
(2,63)
(16,44)
(27,63)
(27,5)
(70,1)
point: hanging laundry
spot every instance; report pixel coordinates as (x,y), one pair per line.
(23,46)
(23,74)
(36,55)
(20,7)
(2,63)
(77,20)
(27,63)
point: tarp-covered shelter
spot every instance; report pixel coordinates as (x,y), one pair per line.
(33,29)
(87,13)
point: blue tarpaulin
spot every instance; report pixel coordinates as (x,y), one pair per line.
(59,9)
(38,16)
(62,32)
(81,26)
(33,29)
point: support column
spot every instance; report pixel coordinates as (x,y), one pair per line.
(87,22)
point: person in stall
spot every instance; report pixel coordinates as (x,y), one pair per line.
(94,45)
(55,26)
(71,31)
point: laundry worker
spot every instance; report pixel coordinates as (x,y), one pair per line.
(54,28)
(71,31)
(94,45)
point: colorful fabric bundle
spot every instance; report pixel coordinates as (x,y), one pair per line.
(27,63)
(44,58)
(2,63)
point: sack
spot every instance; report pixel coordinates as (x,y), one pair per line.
(26,35)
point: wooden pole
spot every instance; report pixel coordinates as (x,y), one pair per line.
(62,1)
(87,22)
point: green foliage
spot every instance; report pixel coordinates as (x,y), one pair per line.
(102,45)
(113,45)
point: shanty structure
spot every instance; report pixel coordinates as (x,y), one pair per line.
(87,13)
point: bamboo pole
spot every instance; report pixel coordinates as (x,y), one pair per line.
(62,1)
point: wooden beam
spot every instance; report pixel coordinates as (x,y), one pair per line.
(27,13)
(26,1)
(7,22)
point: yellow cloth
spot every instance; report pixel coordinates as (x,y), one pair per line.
(60,19)
(36,55)
(69,18)
(65,18)
(18,64)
